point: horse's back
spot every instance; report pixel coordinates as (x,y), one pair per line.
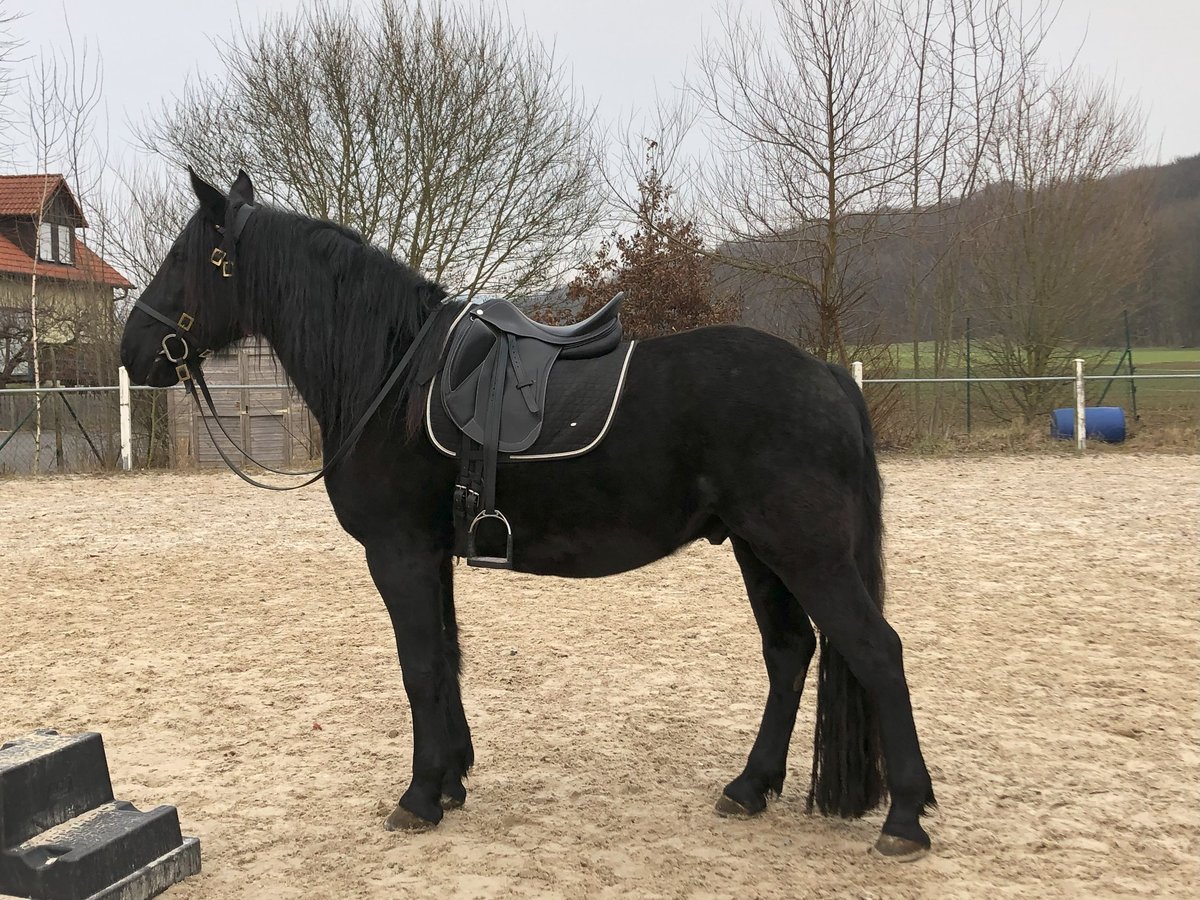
(740,387)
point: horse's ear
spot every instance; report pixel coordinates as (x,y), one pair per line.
(212,201)
(242,188)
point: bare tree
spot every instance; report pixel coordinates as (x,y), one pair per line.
(856,122)
(811,136)
(1058,243)
(142,212)
(15,344)
(441,132)
(9,46)
(62,101)
(963,61)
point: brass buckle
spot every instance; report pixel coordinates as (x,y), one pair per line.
(218,259)
(182,372)
(186,322)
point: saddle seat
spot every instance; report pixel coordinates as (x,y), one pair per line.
(493,388)
(594,336)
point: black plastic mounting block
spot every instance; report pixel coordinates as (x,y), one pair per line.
(64,837)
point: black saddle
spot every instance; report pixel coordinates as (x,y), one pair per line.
(596,335)
(493,387)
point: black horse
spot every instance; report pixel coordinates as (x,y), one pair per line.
(722,433)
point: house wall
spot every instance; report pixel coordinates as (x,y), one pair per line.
(14,294)
(62,305)
(60,296)
(77,331)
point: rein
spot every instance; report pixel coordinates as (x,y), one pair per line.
(223,258)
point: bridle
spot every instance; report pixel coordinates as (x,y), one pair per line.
(188,352)
(223,257)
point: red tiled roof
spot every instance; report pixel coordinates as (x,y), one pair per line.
(27,195)
(88,266)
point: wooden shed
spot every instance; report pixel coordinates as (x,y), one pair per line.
(255,405)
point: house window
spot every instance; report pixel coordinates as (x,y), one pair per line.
(46,241)
(56,243)
(66,244)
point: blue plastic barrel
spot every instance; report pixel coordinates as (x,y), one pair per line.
(1102,423)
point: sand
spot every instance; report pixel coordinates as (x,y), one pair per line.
(229,646)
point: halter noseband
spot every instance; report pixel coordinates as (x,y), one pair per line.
(223,257)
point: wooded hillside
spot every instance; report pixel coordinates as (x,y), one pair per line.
(1163,299)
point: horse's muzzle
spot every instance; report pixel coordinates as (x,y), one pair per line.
(162,373)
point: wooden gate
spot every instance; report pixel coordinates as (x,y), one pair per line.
(254,405)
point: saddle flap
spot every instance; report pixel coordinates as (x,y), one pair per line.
(467,387)
(493,388)
(473,341)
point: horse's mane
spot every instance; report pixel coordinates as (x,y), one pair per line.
(339,312)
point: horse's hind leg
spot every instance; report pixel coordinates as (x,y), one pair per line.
(834,595)
(787,644)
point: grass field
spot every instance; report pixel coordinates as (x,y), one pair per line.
(1168,410)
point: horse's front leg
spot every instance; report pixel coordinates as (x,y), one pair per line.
(462,753)
(410,583)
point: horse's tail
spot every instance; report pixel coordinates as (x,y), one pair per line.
(848,771)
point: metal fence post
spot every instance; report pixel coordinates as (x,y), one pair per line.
(856,370)
(1080,407)
(126,421)
(968,374)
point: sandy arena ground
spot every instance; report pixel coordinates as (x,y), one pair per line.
(1049,610)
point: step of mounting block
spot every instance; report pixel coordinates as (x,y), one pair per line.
(109,850)
(47,778)
(113,851)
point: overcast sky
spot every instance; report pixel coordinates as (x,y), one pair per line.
(620,51)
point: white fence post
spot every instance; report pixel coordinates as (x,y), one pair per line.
(126,421)
(1080,408)
(856,370)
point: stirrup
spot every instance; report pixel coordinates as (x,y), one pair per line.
(489,562)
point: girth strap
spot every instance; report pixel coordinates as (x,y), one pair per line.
(491,439)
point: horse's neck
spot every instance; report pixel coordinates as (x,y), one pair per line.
(285,344)
(303,367)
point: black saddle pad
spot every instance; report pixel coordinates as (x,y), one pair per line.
(581,399)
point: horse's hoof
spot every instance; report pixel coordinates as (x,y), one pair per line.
(898,849)
(403,820)
(731,809)
(448,802)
